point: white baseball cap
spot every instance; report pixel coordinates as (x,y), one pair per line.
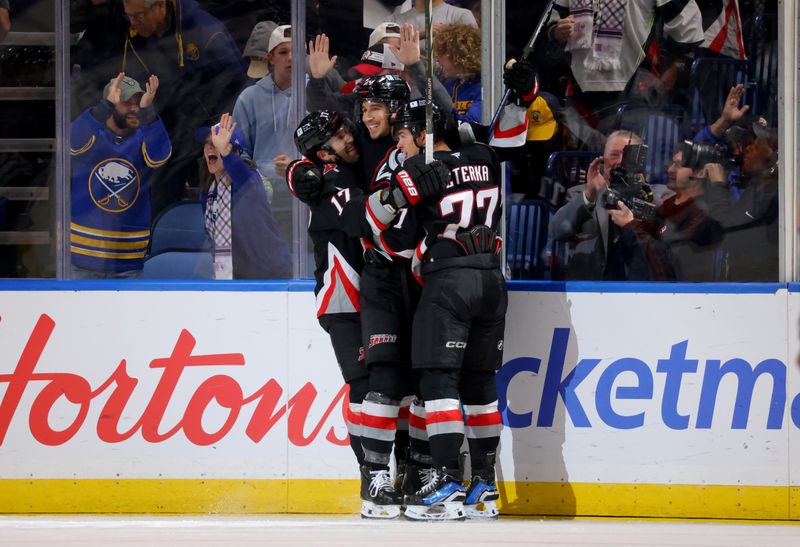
(279,36)
(384,30)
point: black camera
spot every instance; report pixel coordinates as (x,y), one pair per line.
(695,155)
(626,184)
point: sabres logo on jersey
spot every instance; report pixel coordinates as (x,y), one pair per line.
(383,173)
(114,185)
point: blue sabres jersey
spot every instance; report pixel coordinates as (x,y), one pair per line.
(110,224)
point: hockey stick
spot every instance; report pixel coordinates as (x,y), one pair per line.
(526,52)
(429,85)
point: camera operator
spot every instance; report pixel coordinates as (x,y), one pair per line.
(750,221)
(600,250)
(679,243)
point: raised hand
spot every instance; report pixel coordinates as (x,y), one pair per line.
(151,86)
(731,111)
(114,94)
(408,53)
(221,134)
(595,181)
(319,60)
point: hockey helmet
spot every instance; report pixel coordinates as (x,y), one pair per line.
(388,88)
(314,132)
(412,116)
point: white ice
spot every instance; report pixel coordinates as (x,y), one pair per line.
(350,531)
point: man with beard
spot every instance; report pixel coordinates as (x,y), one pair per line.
(115,147)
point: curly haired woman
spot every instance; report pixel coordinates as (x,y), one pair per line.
(458,51)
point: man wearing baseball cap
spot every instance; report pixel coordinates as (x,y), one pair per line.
(385,33)
(748,206)
(264,114)
(115,147)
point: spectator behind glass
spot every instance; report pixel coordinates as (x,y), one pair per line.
(680,244)
(603,64)
(115,148)
(751,219)
(457,49)
(443,14)
(546,135)
(264,114)
(200,68)
(385,33)
(247,244)
(600,253)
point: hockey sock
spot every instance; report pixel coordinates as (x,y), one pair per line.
(420,448)
(358,390)
(443,421)
(401,437)
(378,427)
(483,421)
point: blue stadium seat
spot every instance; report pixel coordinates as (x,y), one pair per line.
(526,239)
(710,80)
(564,171)
(180,228)
(179,265)
(661,130)
(762,51)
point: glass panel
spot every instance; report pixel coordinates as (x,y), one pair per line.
(27,114)
(155,192)
(700,202)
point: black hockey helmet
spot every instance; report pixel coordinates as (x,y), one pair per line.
(412,116)
(388,88)
(314,132)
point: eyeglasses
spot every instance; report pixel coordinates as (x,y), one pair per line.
(140,15)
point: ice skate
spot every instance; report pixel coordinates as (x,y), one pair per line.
(416,478)
(441,499)
(378,498)
(482,496)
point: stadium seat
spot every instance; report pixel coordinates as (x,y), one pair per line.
(762,51)
(710,80)
(661,130)
(191,265)
(526,239)
(180,228)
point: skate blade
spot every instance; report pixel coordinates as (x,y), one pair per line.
(371,511)
(486,510)
(438,512)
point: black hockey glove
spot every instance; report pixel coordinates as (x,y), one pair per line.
(521,79)
(305,180)
(419,180)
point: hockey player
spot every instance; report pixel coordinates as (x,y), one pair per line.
(327,183)
(462,305)
(388,293)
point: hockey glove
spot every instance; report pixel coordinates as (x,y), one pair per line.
(305,180)
(521,79)
(418,180)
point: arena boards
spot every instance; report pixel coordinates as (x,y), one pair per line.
(621,400)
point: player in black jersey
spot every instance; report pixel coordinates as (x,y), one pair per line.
(326,182)
(457,338)
(388,291)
